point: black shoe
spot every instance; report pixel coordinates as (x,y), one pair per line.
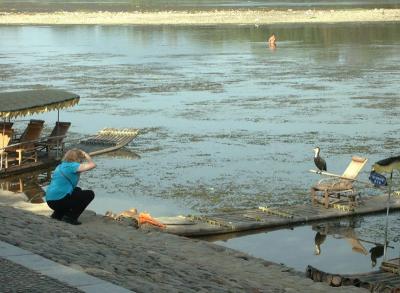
(56,216)
(71,221)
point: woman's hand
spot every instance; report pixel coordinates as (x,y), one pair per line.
(85,155)
(88,165)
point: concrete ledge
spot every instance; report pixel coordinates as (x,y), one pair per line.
(67,275)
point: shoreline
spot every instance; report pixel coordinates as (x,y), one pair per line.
(144,260)
(216,17)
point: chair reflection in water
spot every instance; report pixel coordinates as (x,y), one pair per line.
(338,230)
(338,188)
(6,134)
(30,184)
(343,230)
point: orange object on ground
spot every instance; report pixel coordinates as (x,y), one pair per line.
(146,218)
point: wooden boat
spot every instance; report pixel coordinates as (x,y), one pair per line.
(264,217)
(386,279)
(30,151)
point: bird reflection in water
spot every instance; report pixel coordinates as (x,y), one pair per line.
(318,240)
(376,252)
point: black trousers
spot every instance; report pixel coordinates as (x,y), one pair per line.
(72,205)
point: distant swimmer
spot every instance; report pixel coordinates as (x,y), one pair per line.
(272,41)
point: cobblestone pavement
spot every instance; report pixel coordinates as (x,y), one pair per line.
(117,258)
(16,278)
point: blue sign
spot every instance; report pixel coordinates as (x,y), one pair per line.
(377,179)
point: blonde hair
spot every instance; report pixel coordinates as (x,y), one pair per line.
(73,155)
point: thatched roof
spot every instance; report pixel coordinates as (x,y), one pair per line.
(22,103)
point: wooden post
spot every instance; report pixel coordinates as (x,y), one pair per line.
(326,201)
(336,281)
(313,195)
(387,217)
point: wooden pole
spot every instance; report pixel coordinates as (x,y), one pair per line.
(328,174)
(58,141)
(387,217)
(337,176)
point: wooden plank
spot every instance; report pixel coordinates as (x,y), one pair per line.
(395,262)
(42,163)
(178,220)
(382,277)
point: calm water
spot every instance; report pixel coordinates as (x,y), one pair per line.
(346,246)
(138,5)
(226,122)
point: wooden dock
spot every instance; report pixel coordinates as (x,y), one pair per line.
(264,217)
(43,162)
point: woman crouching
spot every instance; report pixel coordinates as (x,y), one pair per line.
(63,195)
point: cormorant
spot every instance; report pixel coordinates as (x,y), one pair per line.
(319,162)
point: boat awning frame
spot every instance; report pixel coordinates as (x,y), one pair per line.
(23,103)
